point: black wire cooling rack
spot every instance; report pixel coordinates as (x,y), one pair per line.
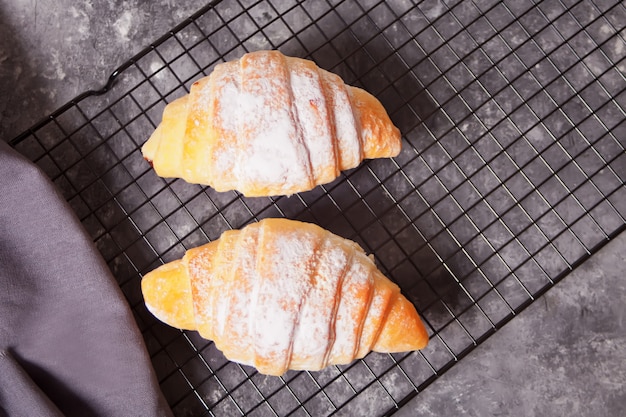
(512,173)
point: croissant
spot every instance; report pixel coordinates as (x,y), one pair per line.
(282,294)
(267,124)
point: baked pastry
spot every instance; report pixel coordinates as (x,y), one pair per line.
(282,294)
(267,124)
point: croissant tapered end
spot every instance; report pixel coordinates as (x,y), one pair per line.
(167,295)
(268,124)
(381,138)
(403,330)
(167,139)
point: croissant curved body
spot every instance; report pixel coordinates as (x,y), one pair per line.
(267,124)
(281,294)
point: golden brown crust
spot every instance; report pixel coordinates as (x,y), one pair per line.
(380,137)
(281,294)
(267,124)
(167,294)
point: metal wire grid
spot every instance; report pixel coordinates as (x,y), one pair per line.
(512,173)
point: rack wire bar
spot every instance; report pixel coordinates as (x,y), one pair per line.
(512,174)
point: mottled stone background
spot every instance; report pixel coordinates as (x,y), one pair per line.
(564,355)
(51,51)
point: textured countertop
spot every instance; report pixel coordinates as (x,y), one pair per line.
(564,355)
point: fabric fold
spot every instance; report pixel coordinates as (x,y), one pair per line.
(62,315)
(19,395)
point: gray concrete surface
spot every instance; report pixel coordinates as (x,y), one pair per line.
(564,355)
(52,51)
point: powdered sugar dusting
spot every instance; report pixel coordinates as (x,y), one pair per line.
(281,295)
(227,87)
(356,294)
(284,268)
(281,124)
(221,97)
(376,314)
(201,275)
(346,131)
(273,154)
(316,330)
(223,279)
(310,110)
(242,295)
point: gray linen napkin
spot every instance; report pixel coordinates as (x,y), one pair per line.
(68,342)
